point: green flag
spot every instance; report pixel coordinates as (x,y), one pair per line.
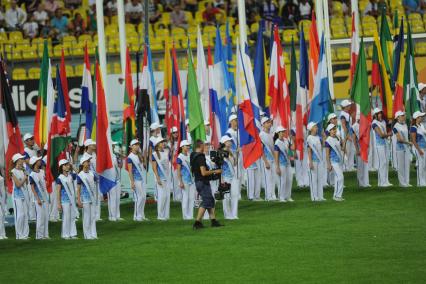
(411,91)
(386,42)
(194,113)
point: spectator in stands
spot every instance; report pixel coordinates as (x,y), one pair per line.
(220,4)
(305,9)
(30,5)
(30,28)
(40,16)
(51,6)
(111,9)
(191,6)
(209,14)
(15,17)
(252,11)
(46,30)
(178,17)
(169,4)
(413,6)
(269,10)
(372,9)
(59,24)
(154,9)
(290,14)
(91,25)
(77,26)
(134,12)
(73,4)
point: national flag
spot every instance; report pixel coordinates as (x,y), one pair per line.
(167,86)
(10,134)
(321,99)
(360,96)
(104,156)
(64,84)
(278,87)
(215,112)
(294,81)
(313,58)
(148,82)
(178,108)
(59,135)
(202,76)
(250,143)
(223,86)
(354,47)
(230,67)
(302,94)
(385,90)
(44,100)
(87,98)
(195,115)
(398,71)
(386,42)
(142,109)
(411,91)
(129,125)
(260,70)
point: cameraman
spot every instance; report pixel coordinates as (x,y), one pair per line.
(202,176)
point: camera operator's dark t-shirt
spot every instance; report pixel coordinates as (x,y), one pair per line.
(198,160)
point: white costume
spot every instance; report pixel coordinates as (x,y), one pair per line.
(253,181)
(69,208)
(98,193)
(87,196)
(114,194)
(420,131)
(20,207)
(139,193)
(350,146)
(230,201)
(362,167)
(336,159)
(42,211)
(315,178)
(164,169)
(3,208)
(285,180)
(402,155)
(188,192)
(381,153)
(268,175)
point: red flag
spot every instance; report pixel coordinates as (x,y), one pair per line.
(313,59)
(64,83)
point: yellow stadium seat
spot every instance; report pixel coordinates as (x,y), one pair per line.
(306,24)
(69,38)
(337,8)
(343,53)
(57,50)
(162,33)
(112,48)
(178,31)
(333,55)
(78,70)
(19,74)
(414,16)
(254,28)
(117,68)
(34,73)
(368,19)
(84,38)
(189,17)
(30,52)
(362,5)
(290,34)
(3,37)
(417,26)
(337,21)
(338,31)
(14,36)
(165,18)
(209,30)
(70,70)
(368,29)
(420,48)
(15,55)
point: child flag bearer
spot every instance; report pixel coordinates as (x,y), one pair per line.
(315,159)
(136,173)
(334,156)
(283,166)
(418,138)
(20,207)
(186,183)
(38,187)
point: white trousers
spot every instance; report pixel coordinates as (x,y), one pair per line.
(188,199)
(302,171)
(338,180)
(163,201)
(421,168)
(230,201)
(176,190)
(362,173)
(285,181)
(98,204)
(20,209)
(69,228)
(350,156)
(316,182)
(3,208)
(2,219)
(323,172)
(269,181)
(53,210)
(29,197)
(403,167)
(382,162)
(253,184)
(114,202)
(89,221)
(139,196)
(42,223)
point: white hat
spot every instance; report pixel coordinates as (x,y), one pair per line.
(232,117)
(206,122)
(346,103)
(225,139)
(155,125)
(158,140)
(134,141)
(174,129)
(63,162)
(34,159)
(184,143)
(17,156)
(421,86)
(28,136)
(331,116)
(45,147)
(280,129)
(376,111)
(418,114)
(84,158)
(89,142)
(399,113)
(186,121)
(264,119)
(330,126)
(311,125)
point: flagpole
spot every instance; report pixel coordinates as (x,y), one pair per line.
(242,22)
(328,50)
(101,39)
(320,17)
(122,35)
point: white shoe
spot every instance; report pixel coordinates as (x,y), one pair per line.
(283,200)
(290,200)
(120,219)
(337,199)
(323,199)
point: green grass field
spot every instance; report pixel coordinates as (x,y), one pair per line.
(375,236)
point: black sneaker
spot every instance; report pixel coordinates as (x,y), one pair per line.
(215,223)
(197,225)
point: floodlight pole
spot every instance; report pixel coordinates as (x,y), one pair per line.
(122,35)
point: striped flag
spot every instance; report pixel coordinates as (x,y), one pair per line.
(59,135)
(411,91)
(44,109)
(129,125)
(398,71)
(260,70)
(64,83)
(148,83)
(313,58)
(215,112)
(202,77)
(104,156)
(167,86)
(386,42)
(87,98)
(354,47)
(10,134)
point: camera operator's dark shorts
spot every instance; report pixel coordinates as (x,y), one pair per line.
(205,191)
